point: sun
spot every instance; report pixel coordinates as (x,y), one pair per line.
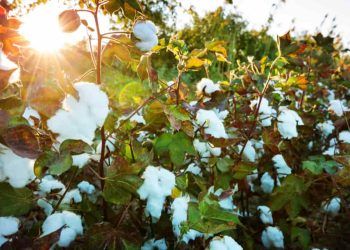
(41,28)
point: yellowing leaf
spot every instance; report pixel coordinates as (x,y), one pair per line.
(175,193)
(194,62)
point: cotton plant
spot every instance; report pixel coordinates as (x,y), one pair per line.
(157,185)
(146,33)
(224,243)
(211,123)
(8,226)
(288,121)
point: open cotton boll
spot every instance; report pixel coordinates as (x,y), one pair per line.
(267,183)
(272,237)
(226,203)
(48,184)
(338,107)
(30,112)
(5,63)
(158,184)
(16,170)
(211,123)
(221,114)
(266,112)
(147,45)
(265,215)
(224,243)
(64,220)
(251,178)
(333,206)
(205,149)
(248,152)
(81,160)
(281,166)
(153,244)
(8,226)
(288,120)
(73,195)
(326,127)
(86,187)
(146,32)
(194,169)
(78,119)
(48,209)
(179,209)
(344,136)
(332,149)
(207,86)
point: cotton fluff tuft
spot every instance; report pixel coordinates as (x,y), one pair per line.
(344,136)
(288,120)
(8,226)
(48,184)
(48,209)
(212,124)
(281,166)
(224,243)
(78,119)
(326,127)
(265,215)
(65,220)
(146,32)
(272,237)
(16,170)
(338,107)
(158,184)
(266,112)
(205,150)
(73,195)
(267,184)
(194,169)
(153,244)
(5,63)
(225,203)
(207,86)
(248,152)
(81,160)
(333,206)
(86,187)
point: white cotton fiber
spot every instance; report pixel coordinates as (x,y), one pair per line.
(78,119)
(194,169)
(206,149)
(272,237)
(265,215)
(266,112)
(30,112)
(338,107)
(8,226)
(326,127)
(154,244)
(86,187)
(344,136)
(281,166)
(332,207)
(18,171)
(212,124)
(5,63)
(249,152)
(207,86)
(48,184)
(267,183)
(146,32)
(224,243)
(288,120)
(81,160)
(179,209)
(72,196)
(158,184)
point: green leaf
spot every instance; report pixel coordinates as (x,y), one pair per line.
(303,236)
(242,170)
(43,162)
(15,201)
(61,164)
(75,147)
(313,167)
(224,164)
(177,145)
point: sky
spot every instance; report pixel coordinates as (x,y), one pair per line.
(307,14)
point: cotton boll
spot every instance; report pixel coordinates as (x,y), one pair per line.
(205,149)
(73,195)
(138,118)
(288,120)
(332,150)
(248,152)
(48,184)
(3,240)
(5,63)
(66,237)
(86,187)
(333,206)
(207,86)
(272,237)
(146,32)
(226,203)
(266,112)
(158,184)
(191,235)
(8,225)
(212,124)
(265,215)
(267,183)
(251,178)
(224,243)
(28,113)
(78,119)
(326,127)
(281,166)
(81,160)
(344,136)
(53,223)
(147,45)
(179,209)
(154,244)
(73,221)
(194,169)
(48,209)
(16,170)
(338,107)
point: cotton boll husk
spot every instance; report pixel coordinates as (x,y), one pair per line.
(73,195)
(80,160)
(288,120)
(344,136)
(267,183)
(281,166)
(338,107)
(78,119)
(272,237)
(66,237)
(48,209)
(17,170)
(5,63)
(212,124)
(224,243)
(333,206)
(265,215)
(8,225)
(208,86)
(326,127)
(86,187)
(48,183)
